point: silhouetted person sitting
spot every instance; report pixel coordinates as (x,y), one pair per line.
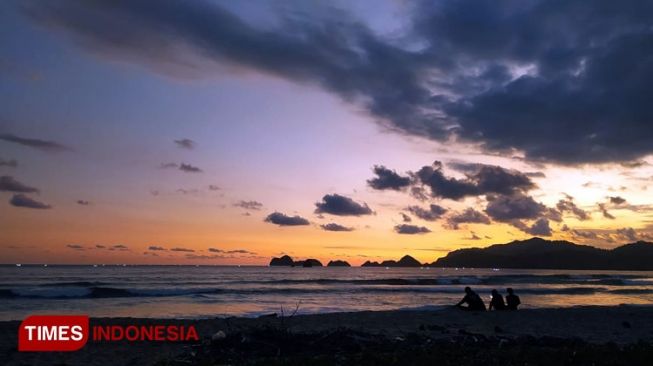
(496,302)
(473,301)
(512,300)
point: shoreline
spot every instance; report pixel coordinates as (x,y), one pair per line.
(591,328)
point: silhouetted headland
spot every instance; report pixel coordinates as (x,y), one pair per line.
(338,263)
(287,261)
(405,261)
(538,253)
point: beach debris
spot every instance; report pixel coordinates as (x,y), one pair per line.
(218,336)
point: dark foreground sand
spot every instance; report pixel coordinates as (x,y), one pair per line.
(585,336)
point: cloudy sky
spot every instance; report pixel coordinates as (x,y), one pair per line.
(222,132)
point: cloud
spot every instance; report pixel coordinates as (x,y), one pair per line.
(9,184)
(233,251)
(186,168)
(83,202)
(405,218)
(432,213)
(605,212)
(617,200)
(481,180)
(239,251)
(539,228)
(75,247)
(388,179)
(98,246)
(514,207)
(119,247)
(213,187)
(411,229)
(156,248)
(169,166)
(249,205)
(43,145)
(567,205)
(8,163)
(185,144)
(280,219)
(336,204)
(21,200)
(483,68)
(473,236)
(189,168)
(468,216)
(628,233)
(336,227)
(182,250)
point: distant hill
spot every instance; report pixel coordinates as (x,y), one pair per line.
(287,261)
(338,263)
(538,253)
(405,261)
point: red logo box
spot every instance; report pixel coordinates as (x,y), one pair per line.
(61,333)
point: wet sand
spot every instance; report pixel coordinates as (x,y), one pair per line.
(354,338)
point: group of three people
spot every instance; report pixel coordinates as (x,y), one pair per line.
(475,303)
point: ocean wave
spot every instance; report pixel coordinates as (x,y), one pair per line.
(113,292)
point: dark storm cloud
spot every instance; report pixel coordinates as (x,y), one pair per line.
(185,144)
(182,250)
(335,227)
(156,248)
(43,145)
(280,219)
(8,163)
(336,204)
(432,213)
(567,205)
(411,229)
(9,184)
(388,179)
(249,205)
(514,207)
(21,200)
(562,81)
(468,216)
(481,179)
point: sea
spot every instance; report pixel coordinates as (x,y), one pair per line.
(219,291)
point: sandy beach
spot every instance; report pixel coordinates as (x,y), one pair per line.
(581,335)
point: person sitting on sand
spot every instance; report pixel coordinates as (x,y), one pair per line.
(473,301)
(512,300)
(496,302)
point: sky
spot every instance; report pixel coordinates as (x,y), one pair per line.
(220,132)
